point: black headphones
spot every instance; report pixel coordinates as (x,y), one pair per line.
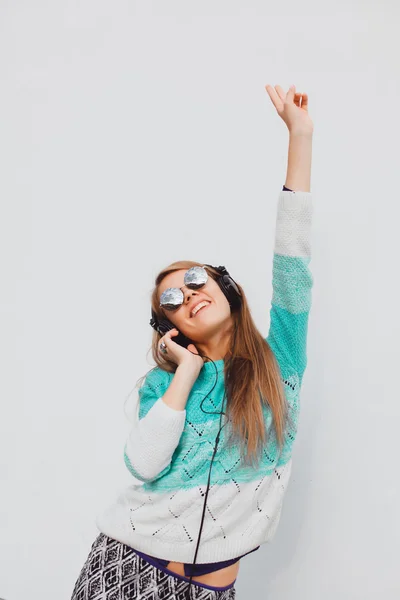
(234,297)
(228,287)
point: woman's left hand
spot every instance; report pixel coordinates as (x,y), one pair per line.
(292,108)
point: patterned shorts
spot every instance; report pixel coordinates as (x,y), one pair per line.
(113,571)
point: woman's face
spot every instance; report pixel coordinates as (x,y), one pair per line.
(209,320)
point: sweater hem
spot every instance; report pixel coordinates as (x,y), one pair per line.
(210,551)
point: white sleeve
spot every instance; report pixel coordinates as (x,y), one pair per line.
(154,437)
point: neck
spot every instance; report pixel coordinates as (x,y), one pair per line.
(217,345)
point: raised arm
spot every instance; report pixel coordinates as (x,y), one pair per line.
(292,280)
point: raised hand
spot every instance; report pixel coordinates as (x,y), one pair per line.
(292,107)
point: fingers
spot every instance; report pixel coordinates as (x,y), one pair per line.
(304,101)
(301,100)
(173,331)
(275,95)
(280,92)
(170,332)
(278,97)
(167,336)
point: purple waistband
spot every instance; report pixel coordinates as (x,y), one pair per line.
(156,563)
(196,570)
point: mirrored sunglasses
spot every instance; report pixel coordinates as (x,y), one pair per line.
(195,278)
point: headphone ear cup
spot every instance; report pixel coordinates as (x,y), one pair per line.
(231,291)
(160,325)
(228,287)
(154,320)
(164,325)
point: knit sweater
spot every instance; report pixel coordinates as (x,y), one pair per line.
(170,450)
(198,568)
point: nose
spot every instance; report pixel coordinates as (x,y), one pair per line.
(188,293)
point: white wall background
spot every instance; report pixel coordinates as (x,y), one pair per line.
(130,125)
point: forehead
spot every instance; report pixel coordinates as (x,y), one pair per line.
(175,279)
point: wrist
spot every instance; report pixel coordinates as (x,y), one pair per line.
(299,133)
(188,372)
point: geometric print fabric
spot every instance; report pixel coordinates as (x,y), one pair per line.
(113,571)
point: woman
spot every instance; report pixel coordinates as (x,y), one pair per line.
(212,361)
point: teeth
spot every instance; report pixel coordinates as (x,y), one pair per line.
(198,307)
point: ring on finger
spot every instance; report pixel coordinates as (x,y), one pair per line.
(163,348)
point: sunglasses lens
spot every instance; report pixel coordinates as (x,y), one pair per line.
(171,298)
(196,277)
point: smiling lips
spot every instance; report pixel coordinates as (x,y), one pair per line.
(199,307)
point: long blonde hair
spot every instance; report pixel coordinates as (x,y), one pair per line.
(252,374)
